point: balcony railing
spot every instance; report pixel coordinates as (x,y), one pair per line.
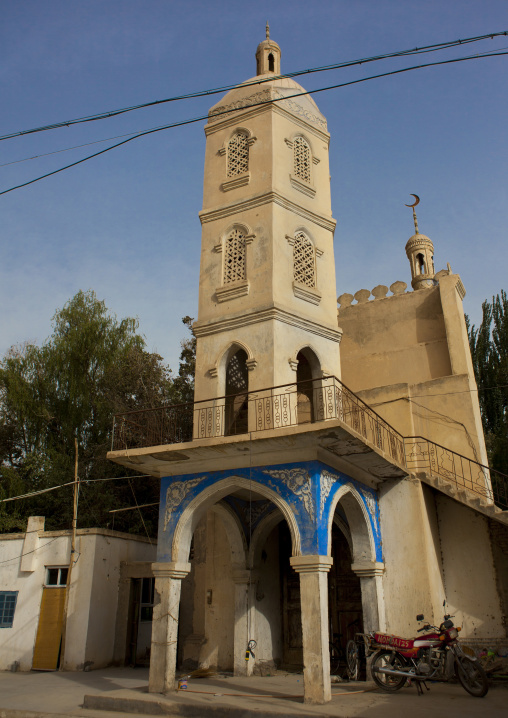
(251,412)
(300,404)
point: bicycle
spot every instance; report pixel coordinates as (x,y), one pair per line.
(358,649)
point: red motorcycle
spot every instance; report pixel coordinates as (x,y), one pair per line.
(435,656)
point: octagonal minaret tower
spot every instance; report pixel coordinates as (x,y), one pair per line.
(420,252)
(267,276)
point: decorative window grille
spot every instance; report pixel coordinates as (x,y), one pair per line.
(238,154)
(234,257)
(304,266)
(302,159)
(7,607)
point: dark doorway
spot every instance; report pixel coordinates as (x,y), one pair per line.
(237,387)
(344,592)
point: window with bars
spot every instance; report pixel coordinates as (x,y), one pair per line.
(301,159)
(7,607)
(304,265)
(238,154)
(234,256)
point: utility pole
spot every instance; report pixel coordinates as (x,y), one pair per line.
(73,551)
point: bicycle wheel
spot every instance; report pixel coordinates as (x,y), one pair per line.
(352,660)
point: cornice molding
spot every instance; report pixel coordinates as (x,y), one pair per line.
(265,315)
(266,198)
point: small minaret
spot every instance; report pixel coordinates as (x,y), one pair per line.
(268,56)
(420,252)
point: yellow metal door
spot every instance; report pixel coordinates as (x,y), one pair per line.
(49,631)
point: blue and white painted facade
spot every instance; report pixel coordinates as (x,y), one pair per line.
(310,490)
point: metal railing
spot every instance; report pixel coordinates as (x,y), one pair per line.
(462,472)
(299,404)
(251,412)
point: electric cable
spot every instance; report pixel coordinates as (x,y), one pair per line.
(181,123)
(203,93)
(71,483)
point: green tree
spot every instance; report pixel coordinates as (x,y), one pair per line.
(91,367)
(489,351)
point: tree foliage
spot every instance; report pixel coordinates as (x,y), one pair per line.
(489,351)
(91,367)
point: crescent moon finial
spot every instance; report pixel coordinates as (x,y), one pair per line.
(416,198)
(417,201)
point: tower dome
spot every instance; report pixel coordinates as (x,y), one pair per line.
(420,252)
(268,56)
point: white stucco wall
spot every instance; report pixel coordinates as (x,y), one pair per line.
(93,595)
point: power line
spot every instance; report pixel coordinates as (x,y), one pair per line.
(134,132)
(71,483)
(247,107)
(203,93)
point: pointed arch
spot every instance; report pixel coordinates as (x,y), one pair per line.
(362,537)
(196,509)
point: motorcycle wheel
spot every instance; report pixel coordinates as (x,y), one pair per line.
(352,661)
(383,659)
(471,675)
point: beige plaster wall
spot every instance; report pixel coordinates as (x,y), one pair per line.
(93,594)
(408,357)
(269,320)
(407,587)
(469,573)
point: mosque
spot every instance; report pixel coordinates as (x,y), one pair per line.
(330,476)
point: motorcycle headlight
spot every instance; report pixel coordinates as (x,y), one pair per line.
(453,633)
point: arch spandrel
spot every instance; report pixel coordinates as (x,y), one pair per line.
(200,493)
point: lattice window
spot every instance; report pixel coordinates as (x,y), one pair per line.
(304,265)
(302,159)
(234,257)
(238,154)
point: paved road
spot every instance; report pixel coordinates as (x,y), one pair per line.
(34,695)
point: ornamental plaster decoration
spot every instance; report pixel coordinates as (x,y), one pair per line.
(175,494)
(326,483)
(293,106)
(264,97)
(226,110)
(298,481)
(372,508)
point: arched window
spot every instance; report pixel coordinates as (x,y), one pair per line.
(238,154)
(304,263)
(234,256)
(309,390)
(420,261)
(237,387)
(301,159)
(271,63)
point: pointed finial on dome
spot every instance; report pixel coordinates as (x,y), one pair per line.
(267,30)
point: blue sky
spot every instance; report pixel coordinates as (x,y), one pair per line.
(126,224)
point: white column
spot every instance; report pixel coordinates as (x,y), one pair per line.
(168,584)
(242,581)
(314,606)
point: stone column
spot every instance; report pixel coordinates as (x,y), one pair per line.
(242,580)
(370,573)
(168,584)
(314,602)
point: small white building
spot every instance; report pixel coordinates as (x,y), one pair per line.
(109,614)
